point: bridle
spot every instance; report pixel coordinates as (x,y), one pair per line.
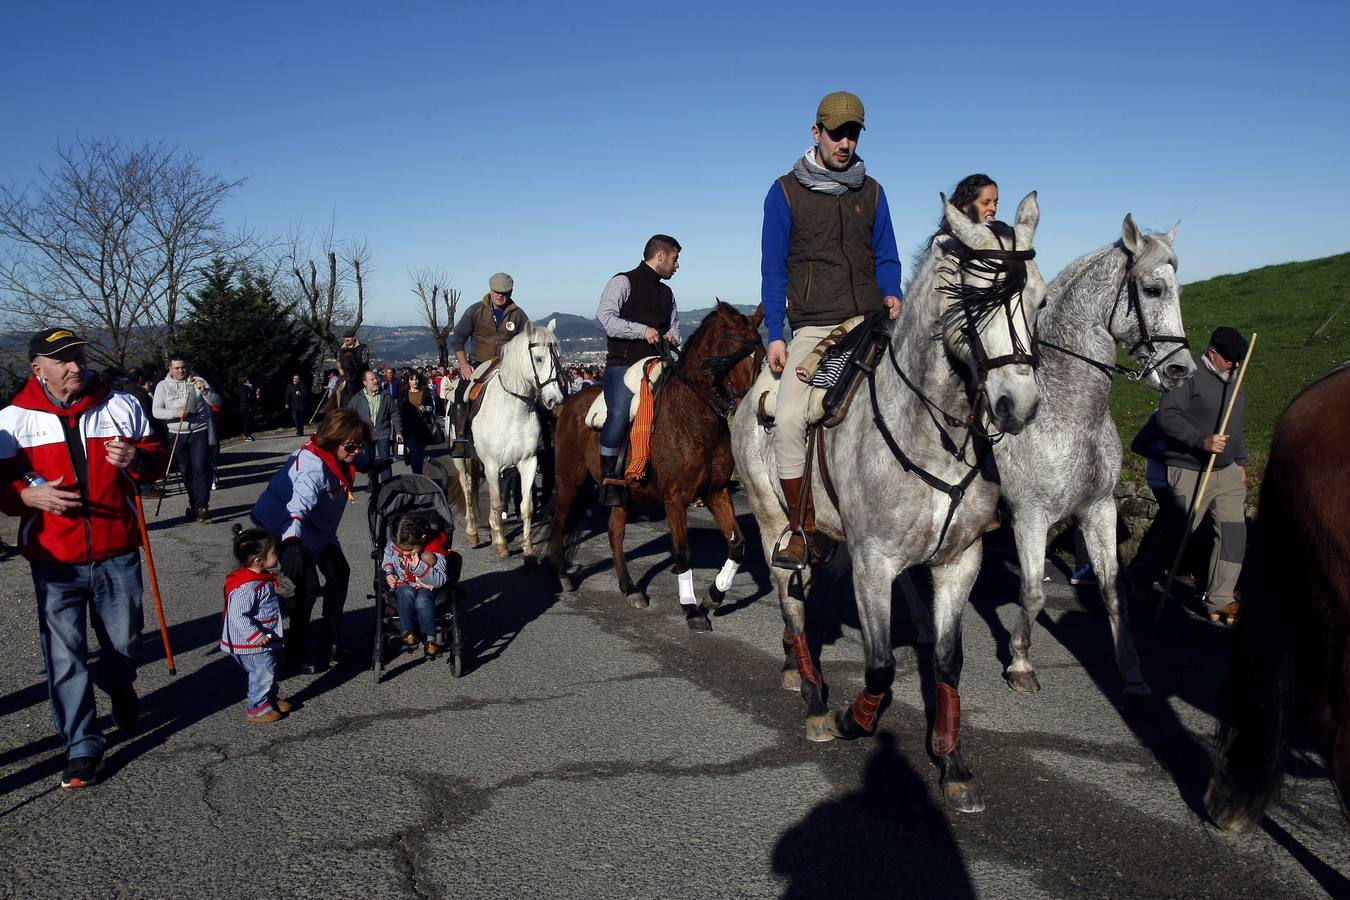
(719,367)
(534,395)
(1128,290)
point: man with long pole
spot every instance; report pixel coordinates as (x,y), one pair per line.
(1206,455)
(72,455)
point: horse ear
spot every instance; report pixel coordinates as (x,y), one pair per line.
(1172,232)
(976,237)
(757,317)
(1028,217)
(1130,238)
(553,325)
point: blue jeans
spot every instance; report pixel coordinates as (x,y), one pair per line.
(112,587)
(417,453)
(618,400)
(416,605)
(194,464)
(262,679)
(380,451)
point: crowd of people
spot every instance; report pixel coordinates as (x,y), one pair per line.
(77,448)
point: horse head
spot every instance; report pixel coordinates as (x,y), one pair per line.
(1152,317)
(726,349)
(995,293)
(545,364)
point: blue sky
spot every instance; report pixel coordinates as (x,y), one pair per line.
(550,140)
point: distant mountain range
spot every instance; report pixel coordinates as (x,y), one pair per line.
(580,337)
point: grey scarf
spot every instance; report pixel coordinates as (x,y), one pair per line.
(813,175)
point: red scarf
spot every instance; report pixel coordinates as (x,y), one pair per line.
(343,472)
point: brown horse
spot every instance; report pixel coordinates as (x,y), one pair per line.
(1290,674)
(690,457)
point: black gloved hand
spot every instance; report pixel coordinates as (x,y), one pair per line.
(292,561)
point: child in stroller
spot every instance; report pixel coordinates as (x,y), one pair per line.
(413,574)
(411,526)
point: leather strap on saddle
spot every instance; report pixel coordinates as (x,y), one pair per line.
(640,437)
(947,721)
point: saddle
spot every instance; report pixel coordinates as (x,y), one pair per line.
(835,368)
(470,393)
(649,368)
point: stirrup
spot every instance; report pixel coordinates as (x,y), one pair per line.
(788,532)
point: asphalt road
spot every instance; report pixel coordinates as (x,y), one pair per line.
(594,750)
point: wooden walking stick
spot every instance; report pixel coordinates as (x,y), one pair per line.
(1197,503)
(154,584)
(163,485)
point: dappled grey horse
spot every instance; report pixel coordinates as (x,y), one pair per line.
(1067,462)
(909,481)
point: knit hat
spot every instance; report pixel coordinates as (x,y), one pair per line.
(1229,343)
(838,109)
(51,341)
(501,283)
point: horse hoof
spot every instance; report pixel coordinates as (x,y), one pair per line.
(820,728)
(792,680)
(477,543)
(1229,816)
(1023,682)
(696,617)
(715,597)
(637,600)
(567,583)
(962,796)
(502,551)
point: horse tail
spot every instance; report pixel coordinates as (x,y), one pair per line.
(1257,703)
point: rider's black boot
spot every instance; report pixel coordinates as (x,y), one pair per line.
(610,494)
(459,447)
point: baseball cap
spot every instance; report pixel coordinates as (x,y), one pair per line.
(501,283)
(838,109)
(1229,343)
(51,341)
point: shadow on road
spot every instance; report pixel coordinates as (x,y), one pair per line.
(885,839)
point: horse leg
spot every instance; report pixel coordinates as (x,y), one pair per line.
(492,475)
(618,521)
(468,483)
(557,557)
(527,468)
(677,521)
(918,613)
(952,582)
(1030,529)
(724,514)
(874,575)
(1098,525)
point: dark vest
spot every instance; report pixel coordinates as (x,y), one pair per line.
(831,272)
(650,302)
(489,336)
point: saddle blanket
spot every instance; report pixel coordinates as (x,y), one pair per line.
(595,416)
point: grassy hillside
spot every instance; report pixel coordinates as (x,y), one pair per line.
(1285,304)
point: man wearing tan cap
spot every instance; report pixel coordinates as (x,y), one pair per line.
(490,323)
(827,254)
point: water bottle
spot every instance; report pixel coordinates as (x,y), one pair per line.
(33,479)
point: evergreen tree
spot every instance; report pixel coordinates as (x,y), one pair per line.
(236,326)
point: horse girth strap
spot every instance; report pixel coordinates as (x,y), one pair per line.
(824,467)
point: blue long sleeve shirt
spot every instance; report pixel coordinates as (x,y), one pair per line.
(777,238)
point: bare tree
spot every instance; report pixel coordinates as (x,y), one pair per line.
(437,296)
(324,307)
(108,242)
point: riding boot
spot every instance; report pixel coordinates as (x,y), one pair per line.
(792,554)
(610,494)
(459,447)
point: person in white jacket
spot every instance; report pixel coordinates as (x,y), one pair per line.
(184,402)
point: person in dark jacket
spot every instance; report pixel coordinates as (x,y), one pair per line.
(417,407)
(248,405)
(73,453)
(828,253)
(297,402)
(1189,417)
(637,312)
(381,415)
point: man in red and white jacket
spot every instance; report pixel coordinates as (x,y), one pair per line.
(73,453)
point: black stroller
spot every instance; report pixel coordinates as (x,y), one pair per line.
(423,496)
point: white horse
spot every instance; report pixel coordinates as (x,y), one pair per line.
(506,431)
(1067,462)
(909,475)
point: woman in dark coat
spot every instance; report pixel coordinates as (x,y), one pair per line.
(417,404)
